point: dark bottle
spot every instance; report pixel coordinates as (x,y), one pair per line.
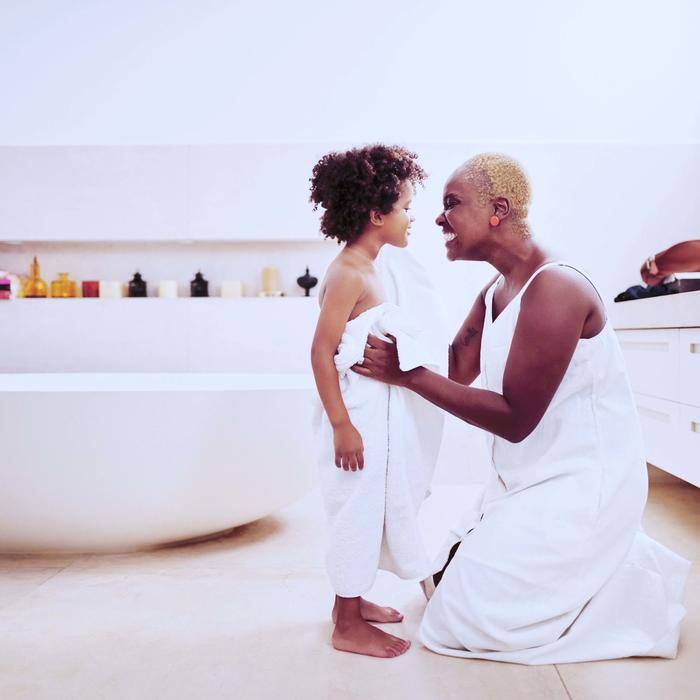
(137,286)
(199,287)
(307,282)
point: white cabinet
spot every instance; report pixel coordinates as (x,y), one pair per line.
(663,364)
(660,422)
(652,360)
(689,444)
(689,366)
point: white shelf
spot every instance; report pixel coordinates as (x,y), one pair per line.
(201,334)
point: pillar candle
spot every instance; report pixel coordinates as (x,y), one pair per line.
(167,289)
(110,290)
(91,288)
(232,289)
(269,279)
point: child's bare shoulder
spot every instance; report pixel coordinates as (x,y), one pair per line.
(342,278)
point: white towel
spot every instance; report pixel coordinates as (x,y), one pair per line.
(372,513)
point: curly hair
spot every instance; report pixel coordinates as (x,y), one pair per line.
(350,185)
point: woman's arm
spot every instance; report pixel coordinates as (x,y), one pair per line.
(342,292)
(463,359)
(552,315)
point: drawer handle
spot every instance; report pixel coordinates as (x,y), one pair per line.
(694,426)
(638,345)
(695,348)
(656,415)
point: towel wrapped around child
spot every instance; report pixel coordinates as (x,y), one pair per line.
(372,512)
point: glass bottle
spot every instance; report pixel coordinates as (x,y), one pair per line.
(35,287)
(63,288)
(137,286)
(199,287)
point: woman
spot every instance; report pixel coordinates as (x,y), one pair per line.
(553,568)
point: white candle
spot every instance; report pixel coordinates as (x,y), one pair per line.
(110,290)
(167,289)
(269,279)
(231,289)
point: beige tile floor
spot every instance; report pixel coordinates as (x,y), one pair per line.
(246,616)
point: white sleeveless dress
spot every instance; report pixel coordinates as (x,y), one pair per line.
(554,567)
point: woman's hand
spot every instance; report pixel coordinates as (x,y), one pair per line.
(381,362)
(349,450)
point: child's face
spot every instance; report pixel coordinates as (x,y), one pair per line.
(398,220)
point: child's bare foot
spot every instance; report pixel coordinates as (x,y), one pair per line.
(371,612)
(359,637)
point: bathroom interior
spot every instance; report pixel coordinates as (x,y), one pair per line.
(161,528)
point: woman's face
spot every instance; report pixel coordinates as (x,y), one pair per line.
(398,221)
(464,220)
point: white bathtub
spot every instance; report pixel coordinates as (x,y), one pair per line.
(117,462)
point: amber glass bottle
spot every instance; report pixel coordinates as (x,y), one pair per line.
(34,287)
(63,288)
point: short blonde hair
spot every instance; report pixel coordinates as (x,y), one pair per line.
(498,175)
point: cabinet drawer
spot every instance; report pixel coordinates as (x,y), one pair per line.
(652,361)
(689,366)
(689,445)
(660,427)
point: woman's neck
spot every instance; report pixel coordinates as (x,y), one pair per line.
(518,261)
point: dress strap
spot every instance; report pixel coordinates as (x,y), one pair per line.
(488,299)
(561,263)
(537,272)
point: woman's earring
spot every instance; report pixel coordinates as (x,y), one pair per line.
(494,220)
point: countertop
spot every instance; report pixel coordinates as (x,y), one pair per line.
(672,311)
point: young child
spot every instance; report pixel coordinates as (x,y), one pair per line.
(374,464)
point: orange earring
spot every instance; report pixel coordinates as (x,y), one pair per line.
(494,220)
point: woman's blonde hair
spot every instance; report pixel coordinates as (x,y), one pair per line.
(498,175)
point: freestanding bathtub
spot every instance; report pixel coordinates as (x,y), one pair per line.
(123,461)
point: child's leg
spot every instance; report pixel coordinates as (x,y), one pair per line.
(353,633)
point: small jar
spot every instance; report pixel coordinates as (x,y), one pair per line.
(63,288)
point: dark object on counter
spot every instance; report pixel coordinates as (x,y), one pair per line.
(5,288)
(91,289)
(137,286)
(307,282)
(641,292)
(199,287)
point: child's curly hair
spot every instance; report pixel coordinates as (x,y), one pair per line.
(349,185)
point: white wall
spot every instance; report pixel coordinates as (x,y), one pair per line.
(217,71)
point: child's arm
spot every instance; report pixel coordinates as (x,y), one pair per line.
(341,294)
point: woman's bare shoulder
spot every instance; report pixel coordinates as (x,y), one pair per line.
(562,285)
